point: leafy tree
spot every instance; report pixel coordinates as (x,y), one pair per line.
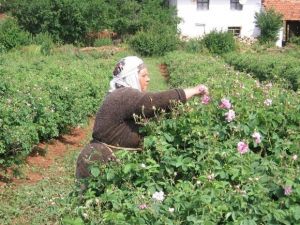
(269,22)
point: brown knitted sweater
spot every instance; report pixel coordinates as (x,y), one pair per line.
(114,124)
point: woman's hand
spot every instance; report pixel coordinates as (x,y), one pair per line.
(199,90)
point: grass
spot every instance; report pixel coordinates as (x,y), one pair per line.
(157,82)
(43,202)
(39,203)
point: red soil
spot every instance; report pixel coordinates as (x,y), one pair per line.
(53,149)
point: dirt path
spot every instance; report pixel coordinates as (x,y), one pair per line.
(44,155)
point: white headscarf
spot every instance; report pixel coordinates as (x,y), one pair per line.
(126,73)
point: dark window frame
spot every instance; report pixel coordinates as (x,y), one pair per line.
(202,4)
(235,5)
(236,31)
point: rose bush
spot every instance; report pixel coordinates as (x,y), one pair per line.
(199,168)
(44,96)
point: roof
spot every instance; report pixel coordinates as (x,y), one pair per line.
(290,9)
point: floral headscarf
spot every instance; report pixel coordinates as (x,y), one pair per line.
(126,73)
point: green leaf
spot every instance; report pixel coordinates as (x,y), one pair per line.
(95,171)
(168,137)
(296,212)
(71,221)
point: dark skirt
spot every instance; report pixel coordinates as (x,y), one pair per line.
(93,152)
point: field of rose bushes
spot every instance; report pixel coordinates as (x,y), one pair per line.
(44,96)
(231,157)
(283,68)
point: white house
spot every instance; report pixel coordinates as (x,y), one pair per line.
(199,17)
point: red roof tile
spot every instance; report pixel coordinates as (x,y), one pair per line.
(290,9)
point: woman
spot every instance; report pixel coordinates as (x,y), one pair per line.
(114,126)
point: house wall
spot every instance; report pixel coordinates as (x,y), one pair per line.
(196,23)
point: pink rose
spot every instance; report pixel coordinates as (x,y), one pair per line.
(230,115)
(205,99)
(288,190)
(143,206)
(203,90)
(242,147)
(225,104)
(257,137)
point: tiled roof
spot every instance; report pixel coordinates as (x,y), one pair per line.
(290,9)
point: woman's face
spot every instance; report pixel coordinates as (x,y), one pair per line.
(144,79)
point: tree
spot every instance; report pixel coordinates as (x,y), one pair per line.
(269,22)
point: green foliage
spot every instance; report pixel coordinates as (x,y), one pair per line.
(42,97)
(102,42)
(63,19)
(282,68)
(11,35)
(295,40)
(191,156)
(156,40)
(194,45)
(269,22)
(46,42)
(219,42)
(71,20)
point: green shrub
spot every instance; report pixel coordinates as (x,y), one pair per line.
(269,22)
(11,35)
(63,19)
(42,97)
(71,20)
(295,40)
(102,42)
(191,170)
(157,40)
(46,42)
(283,69)
(194,45)
(219,42)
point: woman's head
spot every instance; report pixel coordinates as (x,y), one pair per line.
(130,72)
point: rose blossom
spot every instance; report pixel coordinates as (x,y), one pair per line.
(268,102)
(225,104)
(257,137)
(288,190)
(242,147)
(205,99)
(203,90)
(294,157)
(158,196)
(210,177)
(143,206)
(171,210)
(230,115)
(269,85)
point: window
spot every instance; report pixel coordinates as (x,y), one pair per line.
(236,31)
(235,5)
(203,4)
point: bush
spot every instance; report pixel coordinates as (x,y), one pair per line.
(194,45)
(43,97)
(11,35)
(71,20)
(155,41)
(219,42)
(102,42)
(283,69)
(63,19)
(295,40)
(191,170)
(46,42)
(269,22)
